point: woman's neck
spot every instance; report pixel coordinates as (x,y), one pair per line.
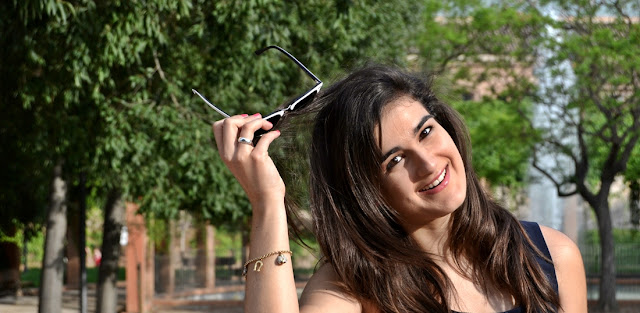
(432,237)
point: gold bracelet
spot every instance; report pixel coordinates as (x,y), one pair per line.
(281,259)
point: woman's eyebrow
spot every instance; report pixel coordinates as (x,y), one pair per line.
(415,131)
(422,121)
(390,152)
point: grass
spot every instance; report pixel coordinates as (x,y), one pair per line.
(31,277)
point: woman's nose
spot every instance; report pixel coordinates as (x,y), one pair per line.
(425,163)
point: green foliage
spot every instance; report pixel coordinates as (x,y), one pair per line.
(585,125)
(94,226)
(105,87)
(619,236)
(484,51)
(500,156)
(633,167)
(463,30)
(586,52)
(228,243)
(599,45)
(35,249)
(13,238)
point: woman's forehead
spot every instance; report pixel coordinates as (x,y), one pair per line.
(401,116)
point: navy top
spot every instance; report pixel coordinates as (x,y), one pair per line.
(535,234)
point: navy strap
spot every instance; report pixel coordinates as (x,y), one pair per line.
(534,233)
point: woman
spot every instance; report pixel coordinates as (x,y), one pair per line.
(402,221)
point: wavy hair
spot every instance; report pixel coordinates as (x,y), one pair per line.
(360,234)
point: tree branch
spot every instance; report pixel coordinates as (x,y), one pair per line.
(545,173)
(581,167)
(164,79)
(626,17)
(633,131)
(174,100)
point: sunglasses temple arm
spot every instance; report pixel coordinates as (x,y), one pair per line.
(259,52)
(211,105)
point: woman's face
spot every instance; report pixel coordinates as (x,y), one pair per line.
(423,177)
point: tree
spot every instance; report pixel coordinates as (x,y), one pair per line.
(107,296)
(108,85)
(478,52)
(599,109)
(587,114)
(37,135)
(53,260)
(632,176)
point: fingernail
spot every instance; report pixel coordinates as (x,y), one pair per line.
(256,114)
(244,115)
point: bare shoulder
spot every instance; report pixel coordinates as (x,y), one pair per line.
(567,260)
(322,294)
(564,252)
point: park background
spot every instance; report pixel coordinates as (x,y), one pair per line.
(97,116)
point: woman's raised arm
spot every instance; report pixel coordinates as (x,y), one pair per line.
(272,289)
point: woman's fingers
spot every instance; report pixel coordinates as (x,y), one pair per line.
(251,165)
(249,129)
(234,133)
(265,141)
(230,129)
(224,130)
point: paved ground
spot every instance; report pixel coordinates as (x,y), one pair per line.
(28,303)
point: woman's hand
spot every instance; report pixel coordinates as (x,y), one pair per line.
(251,166)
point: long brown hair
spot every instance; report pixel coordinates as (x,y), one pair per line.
(360,235)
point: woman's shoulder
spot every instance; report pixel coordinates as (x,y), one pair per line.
(561,247)
(323,293)
(569,268)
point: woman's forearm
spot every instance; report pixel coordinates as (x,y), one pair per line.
(272,289)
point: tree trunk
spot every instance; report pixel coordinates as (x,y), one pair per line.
(107,296)
(634,203)
(53,261)
(205,258)
(607,301)
(72,276)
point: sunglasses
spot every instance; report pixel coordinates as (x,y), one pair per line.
(299,102)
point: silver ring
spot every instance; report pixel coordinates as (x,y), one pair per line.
(245,141)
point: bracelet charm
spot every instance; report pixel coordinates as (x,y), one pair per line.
(281,259)
(257,266)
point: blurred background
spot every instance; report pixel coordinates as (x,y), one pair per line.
(113,197)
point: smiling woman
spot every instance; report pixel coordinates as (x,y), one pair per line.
(423,174)
(401,219)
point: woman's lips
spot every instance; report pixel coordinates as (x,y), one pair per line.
(439,184)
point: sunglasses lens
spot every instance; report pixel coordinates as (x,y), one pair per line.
(305,102)
(274,119)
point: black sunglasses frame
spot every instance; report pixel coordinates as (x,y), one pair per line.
(275,116)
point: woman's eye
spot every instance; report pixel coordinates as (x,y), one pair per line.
(395,160)
(425,132)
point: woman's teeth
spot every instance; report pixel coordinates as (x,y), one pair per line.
(437,181)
